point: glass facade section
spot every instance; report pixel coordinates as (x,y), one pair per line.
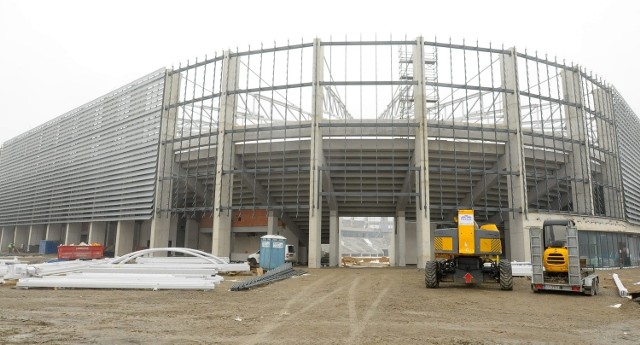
(607,249)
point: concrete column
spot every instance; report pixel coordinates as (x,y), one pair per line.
(54,233)
(173,231)
(334,239)
(402,239)
(516,178)
(72,233)
(221,235)
(6,237)
(160,221)
(392,247)
(160,228)
(316,159)
(21,237)
(191,230)
(124,237)
(272,223)
(421,152)
(612,191)
(579,164)
(291,236)
(36,234)
(97,232)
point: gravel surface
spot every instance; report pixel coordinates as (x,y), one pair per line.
(326,306)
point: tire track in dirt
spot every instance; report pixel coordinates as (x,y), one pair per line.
(353,316)
(275,323)
(358,327)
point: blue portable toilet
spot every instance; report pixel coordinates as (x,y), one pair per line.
(48,247)
(272,251)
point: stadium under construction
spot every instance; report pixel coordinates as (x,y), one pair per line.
(287,139)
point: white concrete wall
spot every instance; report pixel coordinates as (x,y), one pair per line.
(145,234)
(205,240)
(245,244)
(21,237)
(6,237)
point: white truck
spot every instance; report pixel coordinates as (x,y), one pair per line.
(290,255)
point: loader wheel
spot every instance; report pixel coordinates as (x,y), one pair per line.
(431,274)
(506,275)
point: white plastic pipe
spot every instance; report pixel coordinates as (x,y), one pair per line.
(621,289)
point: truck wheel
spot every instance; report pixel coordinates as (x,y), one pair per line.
(431,274)
(506,275)
(253,263)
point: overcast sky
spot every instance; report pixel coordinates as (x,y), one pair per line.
(58,55)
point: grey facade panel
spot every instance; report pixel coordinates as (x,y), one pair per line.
(628,127)
(96,162)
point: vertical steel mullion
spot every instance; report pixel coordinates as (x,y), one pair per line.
(616,152)
(255,163)
(361,119)
(181,107)
(286,112)
(184,114)
(439,122)
(346,103)
(393,174)
(543,131)
(597,195)
(273,76)
(453,120)
(563,141)
(468,112)
(482,140)
(532,124)
(495,133)
(581,112)
(244,132)
(299,120)
(553,134)
(187,170)
(209,148)
(204,83)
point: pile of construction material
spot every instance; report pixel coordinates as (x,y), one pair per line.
(137,270)
(521,269)
(280,273)
(351,261)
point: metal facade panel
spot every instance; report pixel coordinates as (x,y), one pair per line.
(627,129)
(96,162)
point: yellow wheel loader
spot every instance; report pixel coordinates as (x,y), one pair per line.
(468,254)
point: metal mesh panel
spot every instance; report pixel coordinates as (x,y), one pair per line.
(96,162)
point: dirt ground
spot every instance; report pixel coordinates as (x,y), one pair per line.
(327,306)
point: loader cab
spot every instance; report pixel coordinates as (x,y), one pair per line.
(556,255)
(555,233)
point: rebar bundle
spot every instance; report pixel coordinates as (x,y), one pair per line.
(280,273)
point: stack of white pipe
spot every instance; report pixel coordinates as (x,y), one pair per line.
(124,281)
(621,289)
(132,271)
